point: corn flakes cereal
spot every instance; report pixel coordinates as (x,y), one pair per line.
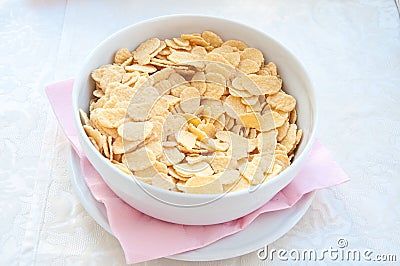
(193,114)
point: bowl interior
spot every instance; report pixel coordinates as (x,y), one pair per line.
(295,79)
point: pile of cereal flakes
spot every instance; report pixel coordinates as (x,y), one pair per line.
(193,114)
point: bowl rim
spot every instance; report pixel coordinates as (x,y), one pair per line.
(78,123)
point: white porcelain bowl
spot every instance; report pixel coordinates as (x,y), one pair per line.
(184,208)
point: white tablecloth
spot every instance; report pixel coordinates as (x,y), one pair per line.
(350,48)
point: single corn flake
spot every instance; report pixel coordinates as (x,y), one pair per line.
(248,66)
(293,116)
(267,84)
(234,106)
(195,39)
(220,163)
(212,38)
(240,185)
(97,137)
(209,129)
(252,100)
(271,68)
(236,43)
(228,177)
(173,156)
(279,118)
(156,133)
(252,120)
(176,46)
(160,107)
(243,83)
(238,146)
(282,131)
(192,119)
(225,49)
(98,93)
(140,159)
(159,49)
(233,58)
(173,124)
(190,99)
(181,42)
(120,146)
(299,134)
(122,55)
(215,78)
(141,68)
(214,91)
(252,54)
(163,181)
(107,74)
(200,51)
(276,169)
(282,101)
(200,134)
(195,158)
(175,175)
(182,57)
(214,57)
(250,172)
(122,167)
(84,118)
(290,139)
(135,131)
(212,108)
(110,149)
(153,170)
(282,160)
(142,53)
(221,146)
(109,117)
(203,185)
(266,142)
(121,92)
(186,139)
(130,78)
(189,170)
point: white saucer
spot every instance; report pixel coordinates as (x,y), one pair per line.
(264,230)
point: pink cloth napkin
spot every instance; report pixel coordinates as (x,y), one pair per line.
(145,238)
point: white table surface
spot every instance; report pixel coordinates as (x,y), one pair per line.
(350,48)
